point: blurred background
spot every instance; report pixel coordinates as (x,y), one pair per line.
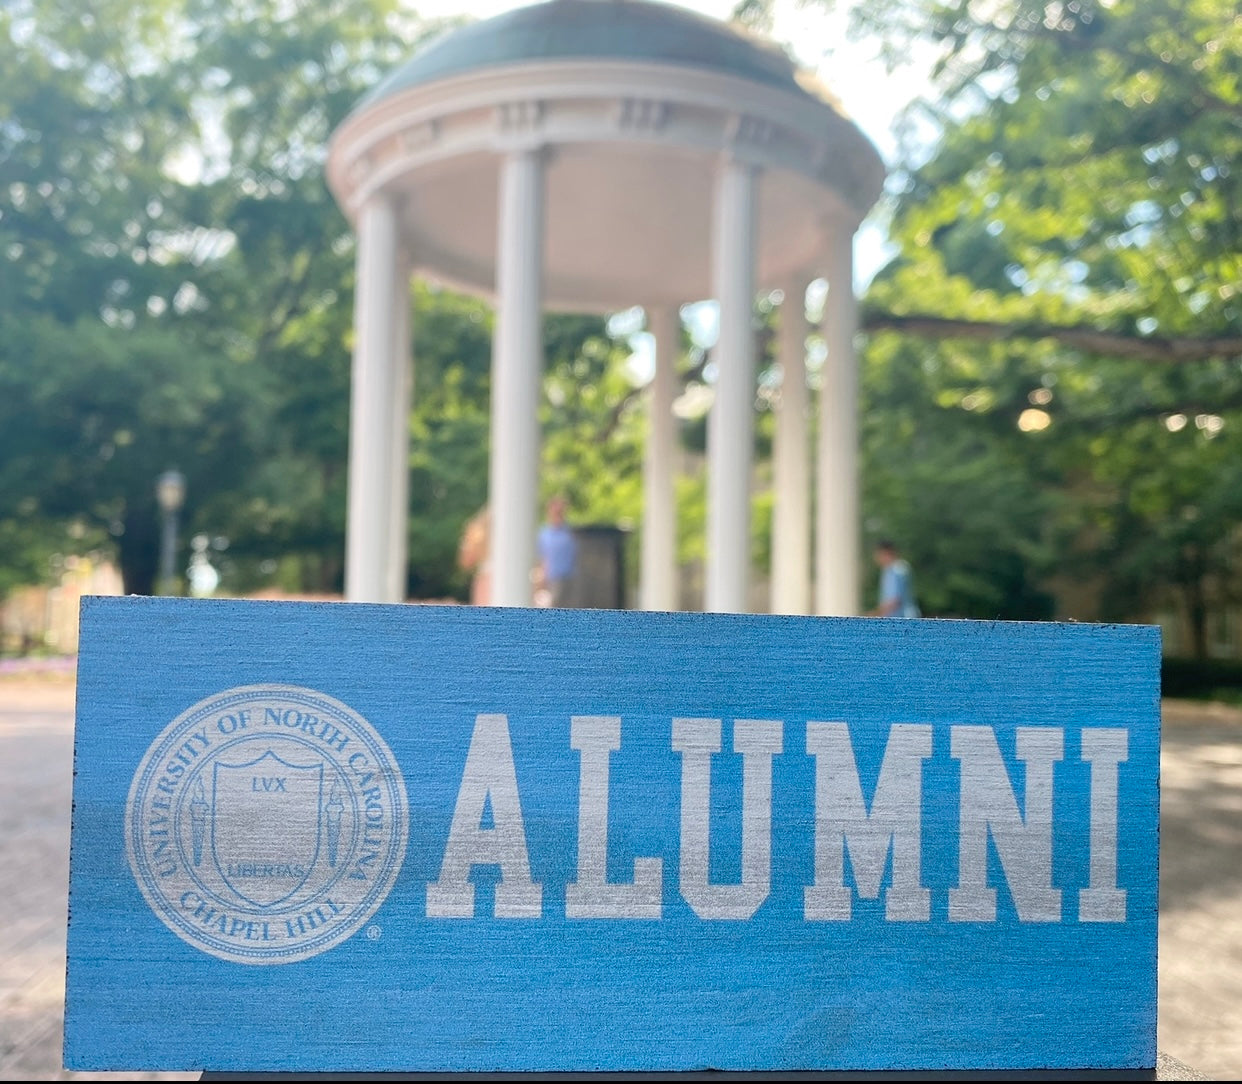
(1050,315)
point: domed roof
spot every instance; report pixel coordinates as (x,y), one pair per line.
(634,30)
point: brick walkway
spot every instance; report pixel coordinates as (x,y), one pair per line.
(1200,914)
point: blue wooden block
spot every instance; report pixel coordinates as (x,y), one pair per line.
(347,837)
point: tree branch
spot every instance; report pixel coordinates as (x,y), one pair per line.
(1092,340)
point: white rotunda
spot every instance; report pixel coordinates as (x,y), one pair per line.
(589,156)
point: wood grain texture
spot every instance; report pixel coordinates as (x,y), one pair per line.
(423,838)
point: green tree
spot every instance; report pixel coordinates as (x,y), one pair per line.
(174,277)
(1075,242)
(1050,390)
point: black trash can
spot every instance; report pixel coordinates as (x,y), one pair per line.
(599,578)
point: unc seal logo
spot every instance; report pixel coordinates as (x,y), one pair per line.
(267,824)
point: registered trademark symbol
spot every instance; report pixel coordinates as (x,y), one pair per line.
(373,933)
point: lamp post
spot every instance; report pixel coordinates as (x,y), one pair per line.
(170,494)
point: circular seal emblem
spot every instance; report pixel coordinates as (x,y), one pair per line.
(267,824)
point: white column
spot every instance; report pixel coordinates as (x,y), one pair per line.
(659,552)
(403,391)
(837,572)
(367,532)
(517,372)
(730,426)
(791,454)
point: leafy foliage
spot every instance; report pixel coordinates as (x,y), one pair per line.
(174,275)
(1085,176)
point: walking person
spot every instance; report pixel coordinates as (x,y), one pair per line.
(473,556)
(896,583)
(558,557)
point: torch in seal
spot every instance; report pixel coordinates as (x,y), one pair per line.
(198,820)
(332,809)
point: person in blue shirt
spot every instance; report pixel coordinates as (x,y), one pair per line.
(558,557)
(896,584)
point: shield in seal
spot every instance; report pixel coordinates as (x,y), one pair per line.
(265,826)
